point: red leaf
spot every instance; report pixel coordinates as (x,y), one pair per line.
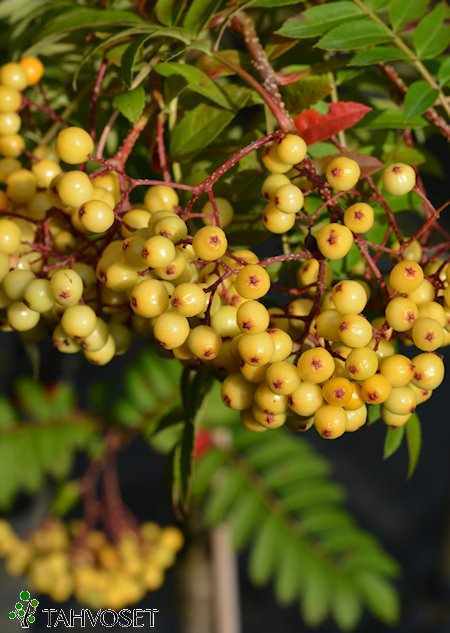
(314,127)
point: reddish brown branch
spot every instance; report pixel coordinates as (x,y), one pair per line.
(95,96)
(244,25)
(127,146)
(161,148)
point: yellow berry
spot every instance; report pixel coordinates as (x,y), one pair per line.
(376,389)
(237,393)
(171,329)
(306,399)
(398,369)
(277,221)
(343,173)
(330,421)
(406,276)
(210,243)
(428,371)
(291,149)
(161,198)
(288,199)
(282,378)
(96,216)
(349,297)
(73,145)
(273,163)
(401,313)
(399,179)
(356,418)
(334,240)
(337,391)
(252,282)
(315,365)
(359,217)
(34,69)
(13,75)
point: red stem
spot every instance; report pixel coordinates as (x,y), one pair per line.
(284,121)
(244,24)
(95,96)
(161,148)
(43,108)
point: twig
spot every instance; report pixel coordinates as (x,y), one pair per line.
(285,122)
(95,96)
(244,24)
(161,147)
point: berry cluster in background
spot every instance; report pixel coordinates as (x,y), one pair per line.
(64,560)
(293,338)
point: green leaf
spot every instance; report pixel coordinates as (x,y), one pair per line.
(197,80)
(131,57)
(414,442)
(211,461)
(183,462)
(444,72)
(378,54)
(287,581)
(126,413)
(320,19)
(391,119)
(30,452)
(198,14)
(377,5)
(197,129)
(131,104)
(305,92)
(393,440)
(405,154)
(346,606)
(195,387)
(8,414)
(317,595)
(230,485)
(352,257)
(137,389)
(246,514)
(168,11)
(31,396)
(161,375)
(265,549)
(274,3)
(303,539)
(432,36)
(66,497)
(351,36)
(401,12)
(380,596)
(90,19)
(61,400)
(373,414)
(419,98)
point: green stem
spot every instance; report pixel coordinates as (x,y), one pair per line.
(421,68)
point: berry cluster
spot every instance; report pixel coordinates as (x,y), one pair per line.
(14,78)
(64,560)
(77,258)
